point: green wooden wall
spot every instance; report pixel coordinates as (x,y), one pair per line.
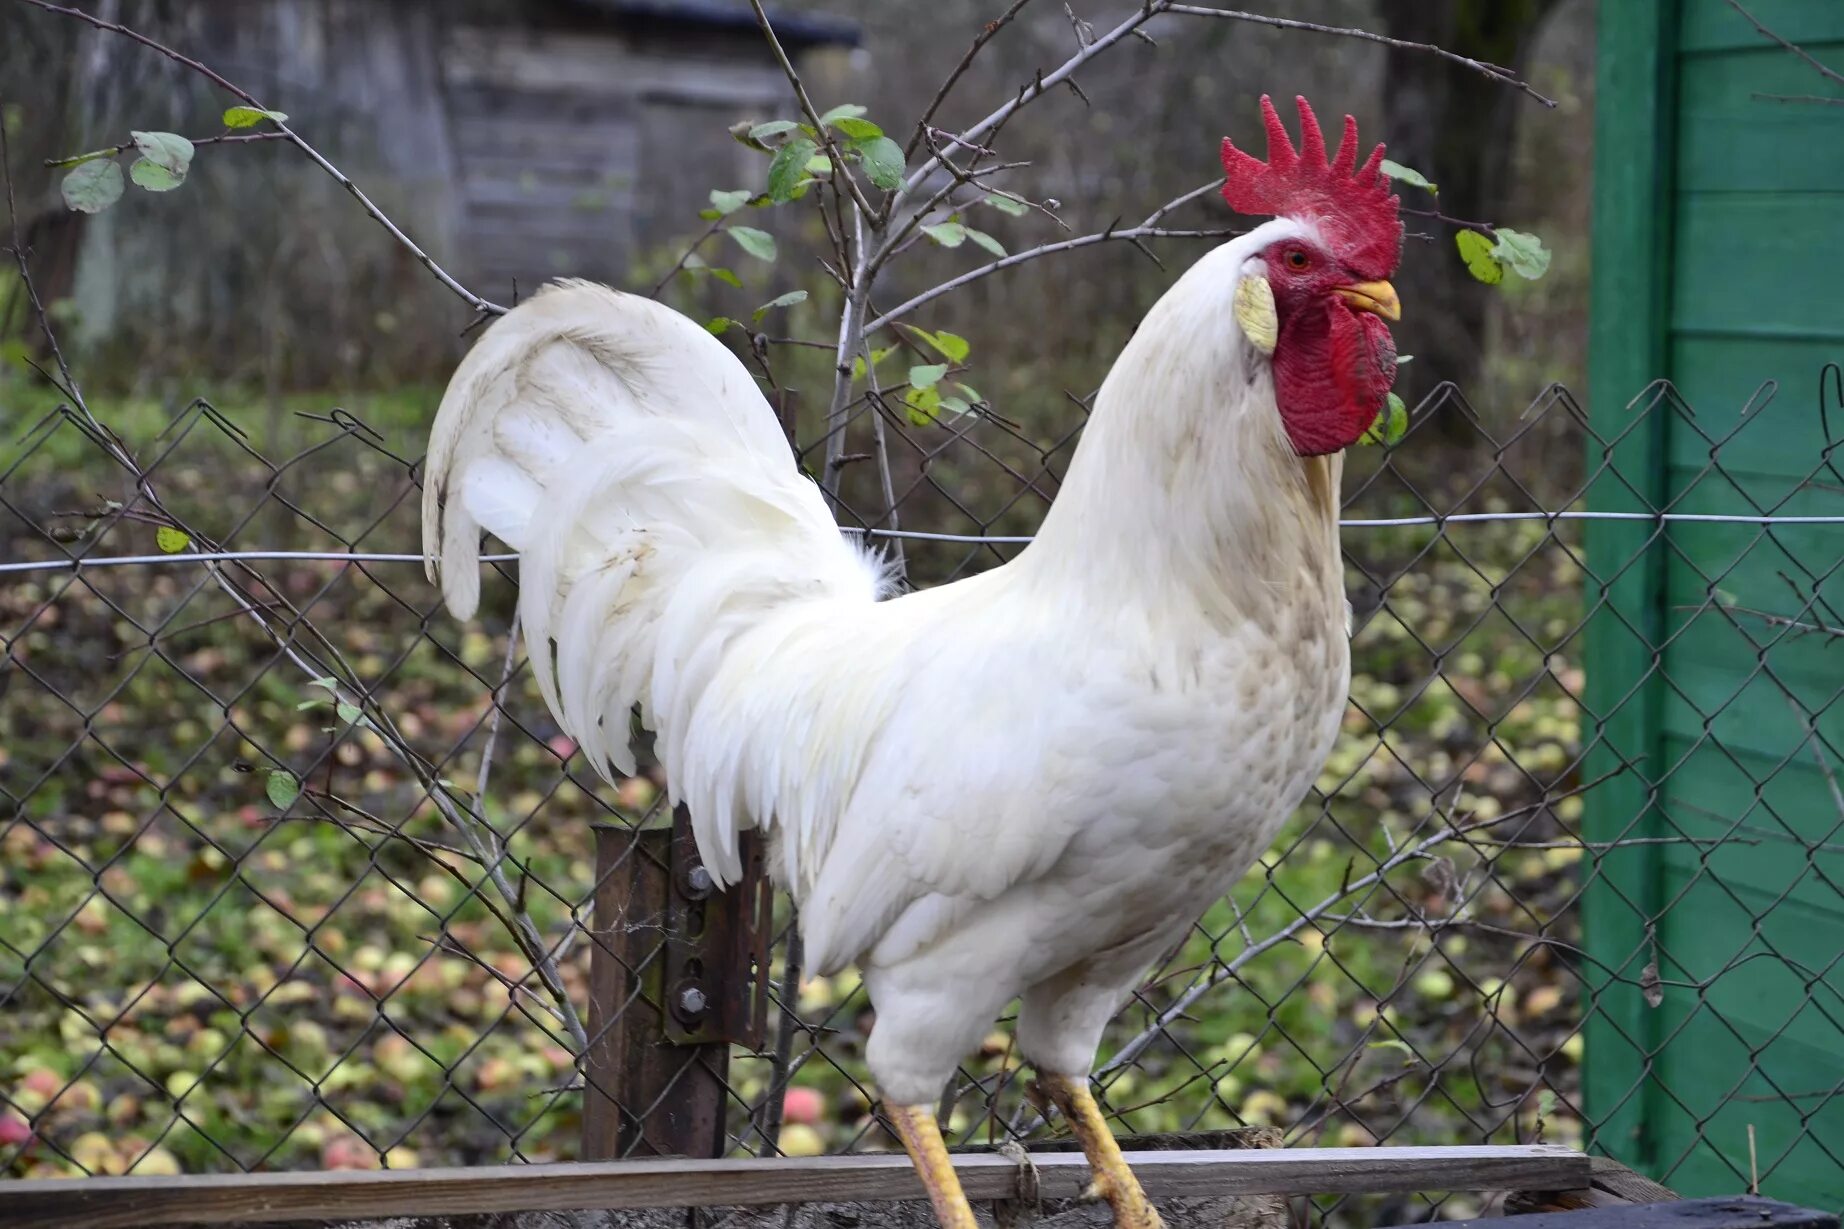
(1718,264)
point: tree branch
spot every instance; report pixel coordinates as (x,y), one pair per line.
(110,151)
(1496,72)
(1823,71)
(839,170)
(986,35)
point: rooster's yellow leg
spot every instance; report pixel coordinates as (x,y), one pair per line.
(915,1126)
(1112,1181)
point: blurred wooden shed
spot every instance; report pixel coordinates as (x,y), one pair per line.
(580,128)
(516,140)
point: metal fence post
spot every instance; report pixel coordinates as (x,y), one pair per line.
(677,974)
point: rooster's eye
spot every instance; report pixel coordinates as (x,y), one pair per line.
(1297,260)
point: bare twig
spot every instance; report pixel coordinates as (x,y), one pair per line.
(691,249)
(1153,8)
(491,853)
(17,248)
(1038,87)
(787,1020)
(1835,102)
(1496,72)
(1822,70)
(986,35)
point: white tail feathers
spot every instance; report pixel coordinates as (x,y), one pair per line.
(626,454)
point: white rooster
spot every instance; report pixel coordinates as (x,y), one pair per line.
(1026,784)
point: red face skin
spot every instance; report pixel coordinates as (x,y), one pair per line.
(1333,362)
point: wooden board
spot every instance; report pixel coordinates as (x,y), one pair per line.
(130,1203)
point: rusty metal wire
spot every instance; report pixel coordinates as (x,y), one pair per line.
(298,872)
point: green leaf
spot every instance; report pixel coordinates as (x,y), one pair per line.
(877,356)
(1523,254)
(758,243)
(785,170)
(987,241)
(729,202)
(927,375)
(1546,1103)
(883,161)
(282,787)
(773,128)
(351,714)
(922,405)
(957,405)
(858,129)
(1391,424)
(1407,175)
(1007,205)
(717,325)
(950,346)
(970,393)
(1476,251)
(709,215)
(167,149)
(845,110)
(93,186)
(171,540)
(786,300)
(154,177)
(249,117)
(947,234)
(725,276)
(327,681)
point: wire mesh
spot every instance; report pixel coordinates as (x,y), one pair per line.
(299,872)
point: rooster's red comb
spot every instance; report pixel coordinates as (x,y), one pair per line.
(1352,205)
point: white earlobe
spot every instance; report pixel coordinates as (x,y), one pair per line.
(1255,312)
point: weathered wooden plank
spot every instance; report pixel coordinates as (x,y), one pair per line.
(1622,1183)
(1613,1185)
(129,1203)
(598,65)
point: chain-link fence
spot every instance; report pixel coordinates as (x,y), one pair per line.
(298,871)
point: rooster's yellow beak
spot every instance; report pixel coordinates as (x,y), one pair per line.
(1378,297)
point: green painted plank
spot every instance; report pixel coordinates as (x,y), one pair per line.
(1629,294)
(1712,1085)
(1718,375)
(1729,140)
(1797,901)
(1744,706)
(1759,260)
(1712,25)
